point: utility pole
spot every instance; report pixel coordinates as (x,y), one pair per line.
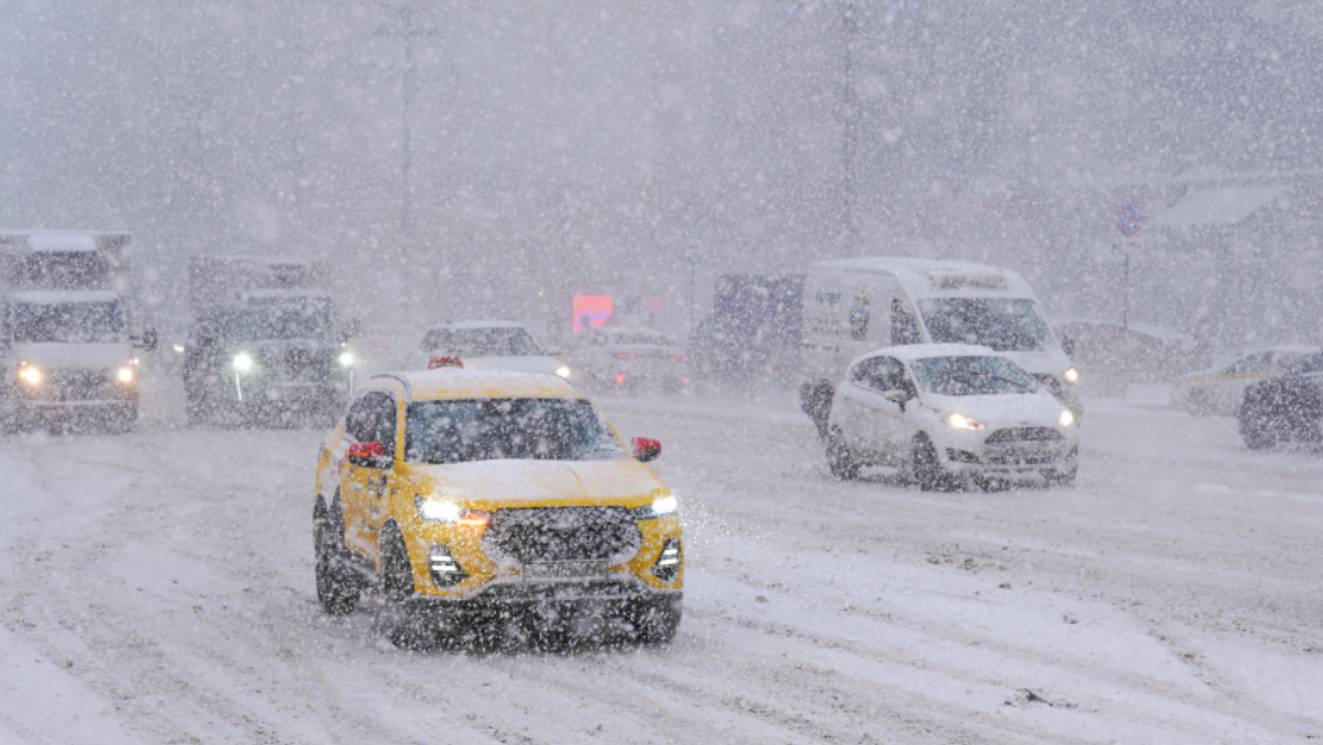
(850,125)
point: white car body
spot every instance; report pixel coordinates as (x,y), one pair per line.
(1030,434)
(474,344)
(624,357)
(852,306)
(1219,391)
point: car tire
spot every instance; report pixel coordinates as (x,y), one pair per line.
(927,467)
(400,618)
(338,587)
(840,461)
(656,621)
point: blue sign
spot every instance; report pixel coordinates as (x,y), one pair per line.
(1128,220)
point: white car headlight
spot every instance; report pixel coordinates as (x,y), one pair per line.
(1066,418)
(347,359)
(439,510)
(242,362)
(125,375)
(31,375)
(956,420)
(666,505)
(1071,375)
(563,371)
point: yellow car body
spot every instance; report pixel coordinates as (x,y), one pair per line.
(489,533)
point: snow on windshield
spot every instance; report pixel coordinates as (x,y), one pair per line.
(1005,325)
(501,429)
(68,322)
(972,376)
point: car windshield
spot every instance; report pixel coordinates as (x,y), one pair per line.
(1003,324)
(482,342)
(972,376)
(506,428)
(74,323)
(259,324)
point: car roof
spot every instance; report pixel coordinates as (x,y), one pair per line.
(466,325)
(456,383)
(911,352)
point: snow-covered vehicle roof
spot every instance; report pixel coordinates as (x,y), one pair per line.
(456,383)
(935,277)
(468,325)
(911,352)
(56,297)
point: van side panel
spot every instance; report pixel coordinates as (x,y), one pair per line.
(846,314)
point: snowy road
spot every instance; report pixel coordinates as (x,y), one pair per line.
(157,588)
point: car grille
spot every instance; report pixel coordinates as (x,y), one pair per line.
(1022,458)
(78,385)
(529,536)
(307,364)
(1024,434)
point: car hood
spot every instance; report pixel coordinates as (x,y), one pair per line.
(88,356)
(1033,409)
(545,482)
(1048,362)
(524,363)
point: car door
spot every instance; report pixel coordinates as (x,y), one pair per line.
(869,420)
(892,422)
(363,486)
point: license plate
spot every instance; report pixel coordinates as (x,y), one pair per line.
(565,570)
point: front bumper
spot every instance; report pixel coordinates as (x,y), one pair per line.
(1010,451)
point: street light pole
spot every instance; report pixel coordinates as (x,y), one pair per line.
(850,125)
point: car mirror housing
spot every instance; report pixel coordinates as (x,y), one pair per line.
(368,455)
(645,449)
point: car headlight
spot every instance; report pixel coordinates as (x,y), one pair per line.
(449,512)
(956,420)
(243,362)
(1066,418)
(346,359)
(563,371)
(1071,375)
(31,375)
(666,505)
(125,375)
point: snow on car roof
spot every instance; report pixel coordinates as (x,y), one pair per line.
(52,297)
(456,383)
(468,325)
(936,277)
(911,352)
(62,242)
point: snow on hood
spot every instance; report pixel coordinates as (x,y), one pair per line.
(615,480)
(1036,409)
(89,356)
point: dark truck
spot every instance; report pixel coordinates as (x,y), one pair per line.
(265,346)
(753,330)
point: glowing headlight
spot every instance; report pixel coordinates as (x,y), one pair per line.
(243,362)
(956,420)
(1066,418)
(179,348)
(660,506)
(124,375)
(563,371)
(347,359)
(440,510)
(1071,375)
(31,374)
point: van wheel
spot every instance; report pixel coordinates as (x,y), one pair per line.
(338,588)
(399,618)
(927,467)
(839,459)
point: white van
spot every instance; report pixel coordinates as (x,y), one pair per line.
(854,306)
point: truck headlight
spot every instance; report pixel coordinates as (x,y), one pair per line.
(666,505)
(1066,418)
(347,359)
(1071,375)
(125,375)
(956,420)
(31,375)
(242,362)
(563,371)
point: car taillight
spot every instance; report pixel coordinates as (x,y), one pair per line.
(678,358)
(444,360)
(626,356)
(620,378)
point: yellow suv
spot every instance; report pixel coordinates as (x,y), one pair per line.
(464,494)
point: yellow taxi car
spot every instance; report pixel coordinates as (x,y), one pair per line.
(463,492)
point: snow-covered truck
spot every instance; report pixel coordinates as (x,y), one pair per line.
(66,349)
(265,344)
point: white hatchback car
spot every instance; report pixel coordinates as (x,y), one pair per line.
(945,413)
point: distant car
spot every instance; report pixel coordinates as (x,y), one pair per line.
(949,413)
(470,495)
(1288,408)
(630,357)
(1111,357)
(1220,391)
(488,345)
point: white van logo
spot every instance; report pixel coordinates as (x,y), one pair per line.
(859,316)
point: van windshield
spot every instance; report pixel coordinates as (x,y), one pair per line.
(1004,324)
(69,323)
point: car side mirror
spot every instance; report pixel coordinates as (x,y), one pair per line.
(368,455)
(899,396)
(645,449)
(147,341)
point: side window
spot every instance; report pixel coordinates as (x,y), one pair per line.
(372,419)
(879,374)
(432,340)
(358,420)
(383,423)
(904,324)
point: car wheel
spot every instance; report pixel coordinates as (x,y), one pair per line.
(839,459)
(338,587)
(399,618)
(927,467)
(655,621)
